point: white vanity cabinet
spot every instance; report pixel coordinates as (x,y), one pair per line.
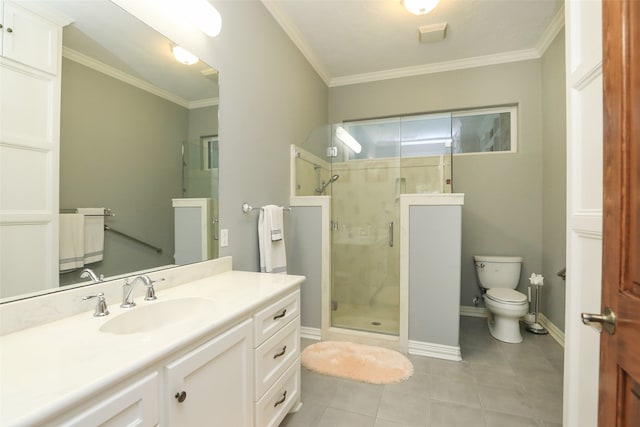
(277,360)
(212,384)
(238,365)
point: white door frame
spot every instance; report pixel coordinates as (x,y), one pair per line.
(583,29)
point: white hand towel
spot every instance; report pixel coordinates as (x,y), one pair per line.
(273,257)
(71,241)
(273,216)
(93,234)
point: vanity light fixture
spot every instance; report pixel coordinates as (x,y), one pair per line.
(420,7)
(184,56)
(203,15)
(348,140)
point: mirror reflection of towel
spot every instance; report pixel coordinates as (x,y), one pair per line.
(273,257)
(71,241)
(93,234)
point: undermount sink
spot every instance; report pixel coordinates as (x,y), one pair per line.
(146,318)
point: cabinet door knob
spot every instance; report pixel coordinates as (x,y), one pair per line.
(9,30)
(181,396)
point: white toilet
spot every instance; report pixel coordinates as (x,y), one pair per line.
(498,278)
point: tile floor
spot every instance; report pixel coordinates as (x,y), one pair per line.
(496,385)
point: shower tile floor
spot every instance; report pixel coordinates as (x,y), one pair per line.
(378,318)
(496,385)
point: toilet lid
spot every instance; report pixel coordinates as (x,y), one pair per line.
(506,295)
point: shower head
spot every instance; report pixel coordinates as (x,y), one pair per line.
(324,185)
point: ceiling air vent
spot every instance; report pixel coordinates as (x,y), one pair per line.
(432,33)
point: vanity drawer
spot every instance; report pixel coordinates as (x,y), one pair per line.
(274,356)
(278,401)
(268,321)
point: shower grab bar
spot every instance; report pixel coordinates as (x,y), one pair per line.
(107,212)
(246,208)
(391,234)
(158,250)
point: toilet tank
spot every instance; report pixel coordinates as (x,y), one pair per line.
(498,271)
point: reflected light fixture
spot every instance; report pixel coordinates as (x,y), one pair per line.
(203,15)
(184,56)
(420,7)
(348,140)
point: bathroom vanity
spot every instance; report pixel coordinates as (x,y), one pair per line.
(221,349)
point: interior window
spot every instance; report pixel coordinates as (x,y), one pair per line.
(483,130)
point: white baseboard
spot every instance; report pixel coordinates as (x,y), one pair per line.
(310,333)
(554,331)
(438,351)
(469,311)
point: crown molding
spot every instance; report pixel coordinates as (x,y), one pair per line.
(201,103)
(110,71)
(552,30)
(477,61)
(296,37)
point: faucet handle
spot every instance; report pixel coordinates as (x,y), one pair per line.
(101,305)
(151,292)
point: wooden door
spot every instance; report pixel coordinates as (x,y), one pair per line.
(619,398)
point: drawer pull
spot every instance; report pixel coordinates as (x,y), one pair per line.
(281,315)
(181,396)
(284,397)
(284,349)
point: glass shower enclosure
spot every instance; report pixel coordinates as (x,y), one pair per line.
(365,166)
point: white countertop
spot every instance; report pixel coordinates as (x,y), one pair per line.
(44,370)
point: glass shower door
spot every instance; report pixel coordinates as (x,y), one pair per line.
(365,282)
(200,178)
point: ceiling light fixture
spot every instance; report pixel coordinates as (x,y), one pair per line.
(420,7)
(348,140)
(184,56)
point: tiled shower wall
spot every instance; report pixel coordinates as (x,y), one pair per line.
(365,200)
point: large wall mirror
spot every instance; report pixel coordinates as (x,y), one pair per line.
(138,137)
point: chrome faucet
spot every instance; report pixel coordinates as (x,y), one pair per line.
(87,272)
(127,290)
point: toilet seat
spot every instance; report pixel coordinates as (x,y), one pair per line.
(506,296)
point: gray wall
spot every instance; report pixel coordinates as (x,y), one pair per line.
(203,122)
(554,181)
(270,97)
(304,250)
(502,214)
(120,149)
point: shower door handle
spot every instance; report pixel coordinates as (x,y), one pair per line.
(391,234)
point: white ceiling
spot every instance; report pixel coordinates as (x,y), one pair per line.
(349,41)
(346,41)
